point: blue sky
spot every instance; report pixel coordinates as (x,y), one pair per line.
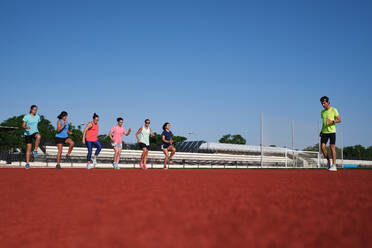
(210,67)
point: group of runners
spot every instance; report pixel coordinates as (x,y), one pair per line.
(90,139)
(329,115)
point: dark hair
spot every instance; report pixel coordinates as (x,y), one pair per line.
(95,115)
(32,106)
(147,120)
(119,119)
(165,124)
(62,114)
(324,98)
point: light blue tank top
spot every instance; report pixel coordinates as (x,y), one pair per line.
(63,133)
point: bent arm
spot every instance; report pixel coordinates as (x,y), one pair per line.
(24,125)
(59,127)
(110,135)
(86,129)
(164,140)
(138,132)
(127,133)
(338,119)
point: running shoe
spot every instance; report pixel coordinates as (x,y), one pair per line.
(144,167)
(141,165)
(170,161)
(68,158)
(165,168)
(94,161)
(27,166)
(333,168)
(58,167)
(89,166)
(328,164)
(35,154)
(117,167)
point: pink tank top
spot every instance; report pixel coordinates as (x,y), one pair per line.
(92,133)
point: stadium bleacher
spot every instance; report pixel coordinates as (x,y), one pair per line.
(130,158)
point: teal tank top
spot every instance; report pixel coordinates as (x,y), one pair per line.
(145,136)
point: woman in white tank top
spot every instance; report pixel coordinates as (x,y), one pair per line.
(143,139)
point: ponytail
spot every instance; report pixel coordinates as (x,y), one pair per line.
(62,114)
(165,124)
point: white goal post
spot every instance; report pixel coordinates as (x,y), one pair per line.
(302,159)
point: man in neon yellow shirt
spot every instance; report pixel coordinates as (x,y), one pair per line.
(330,117)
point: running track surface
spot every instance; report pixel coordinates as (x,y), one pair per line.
(185,208)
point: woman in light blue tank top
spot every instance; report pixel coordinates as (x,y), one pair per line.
(62,138)
(30,124)
(143,139)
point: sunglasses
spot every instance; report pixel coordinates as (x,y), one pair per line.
(147,122)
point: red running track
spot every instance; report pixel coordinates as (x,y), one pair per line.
(185,208)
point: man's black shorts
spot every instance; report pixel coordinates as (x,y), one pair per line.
(29,138)
(328,136)
(143,145)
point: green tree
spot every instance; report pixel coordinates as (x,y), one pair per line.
(105,140)
(77,134)
(314,148)
(156,141)
(15,139)
(233,139)
(350,152)
(46,129)
(358,152)
(12,139)
(178,139)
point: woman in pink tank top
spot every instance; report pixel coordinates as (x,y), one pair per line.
(116,135)
(90,139)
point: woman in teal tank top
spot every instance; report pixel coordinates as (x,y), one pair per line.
(143,139)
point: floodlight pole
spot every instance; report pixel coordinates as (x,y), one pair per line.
(342,147)
(319,146)
(292,128)
(262,138)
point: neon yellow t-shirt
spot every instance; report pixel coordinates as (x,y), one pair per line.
(329,114)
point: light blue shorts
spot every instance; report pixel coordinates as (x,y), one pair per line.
(120,146)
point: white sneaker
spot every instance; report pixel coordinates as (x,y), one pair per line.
(116,166)
(333,168)
(89,166)
(94,161)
